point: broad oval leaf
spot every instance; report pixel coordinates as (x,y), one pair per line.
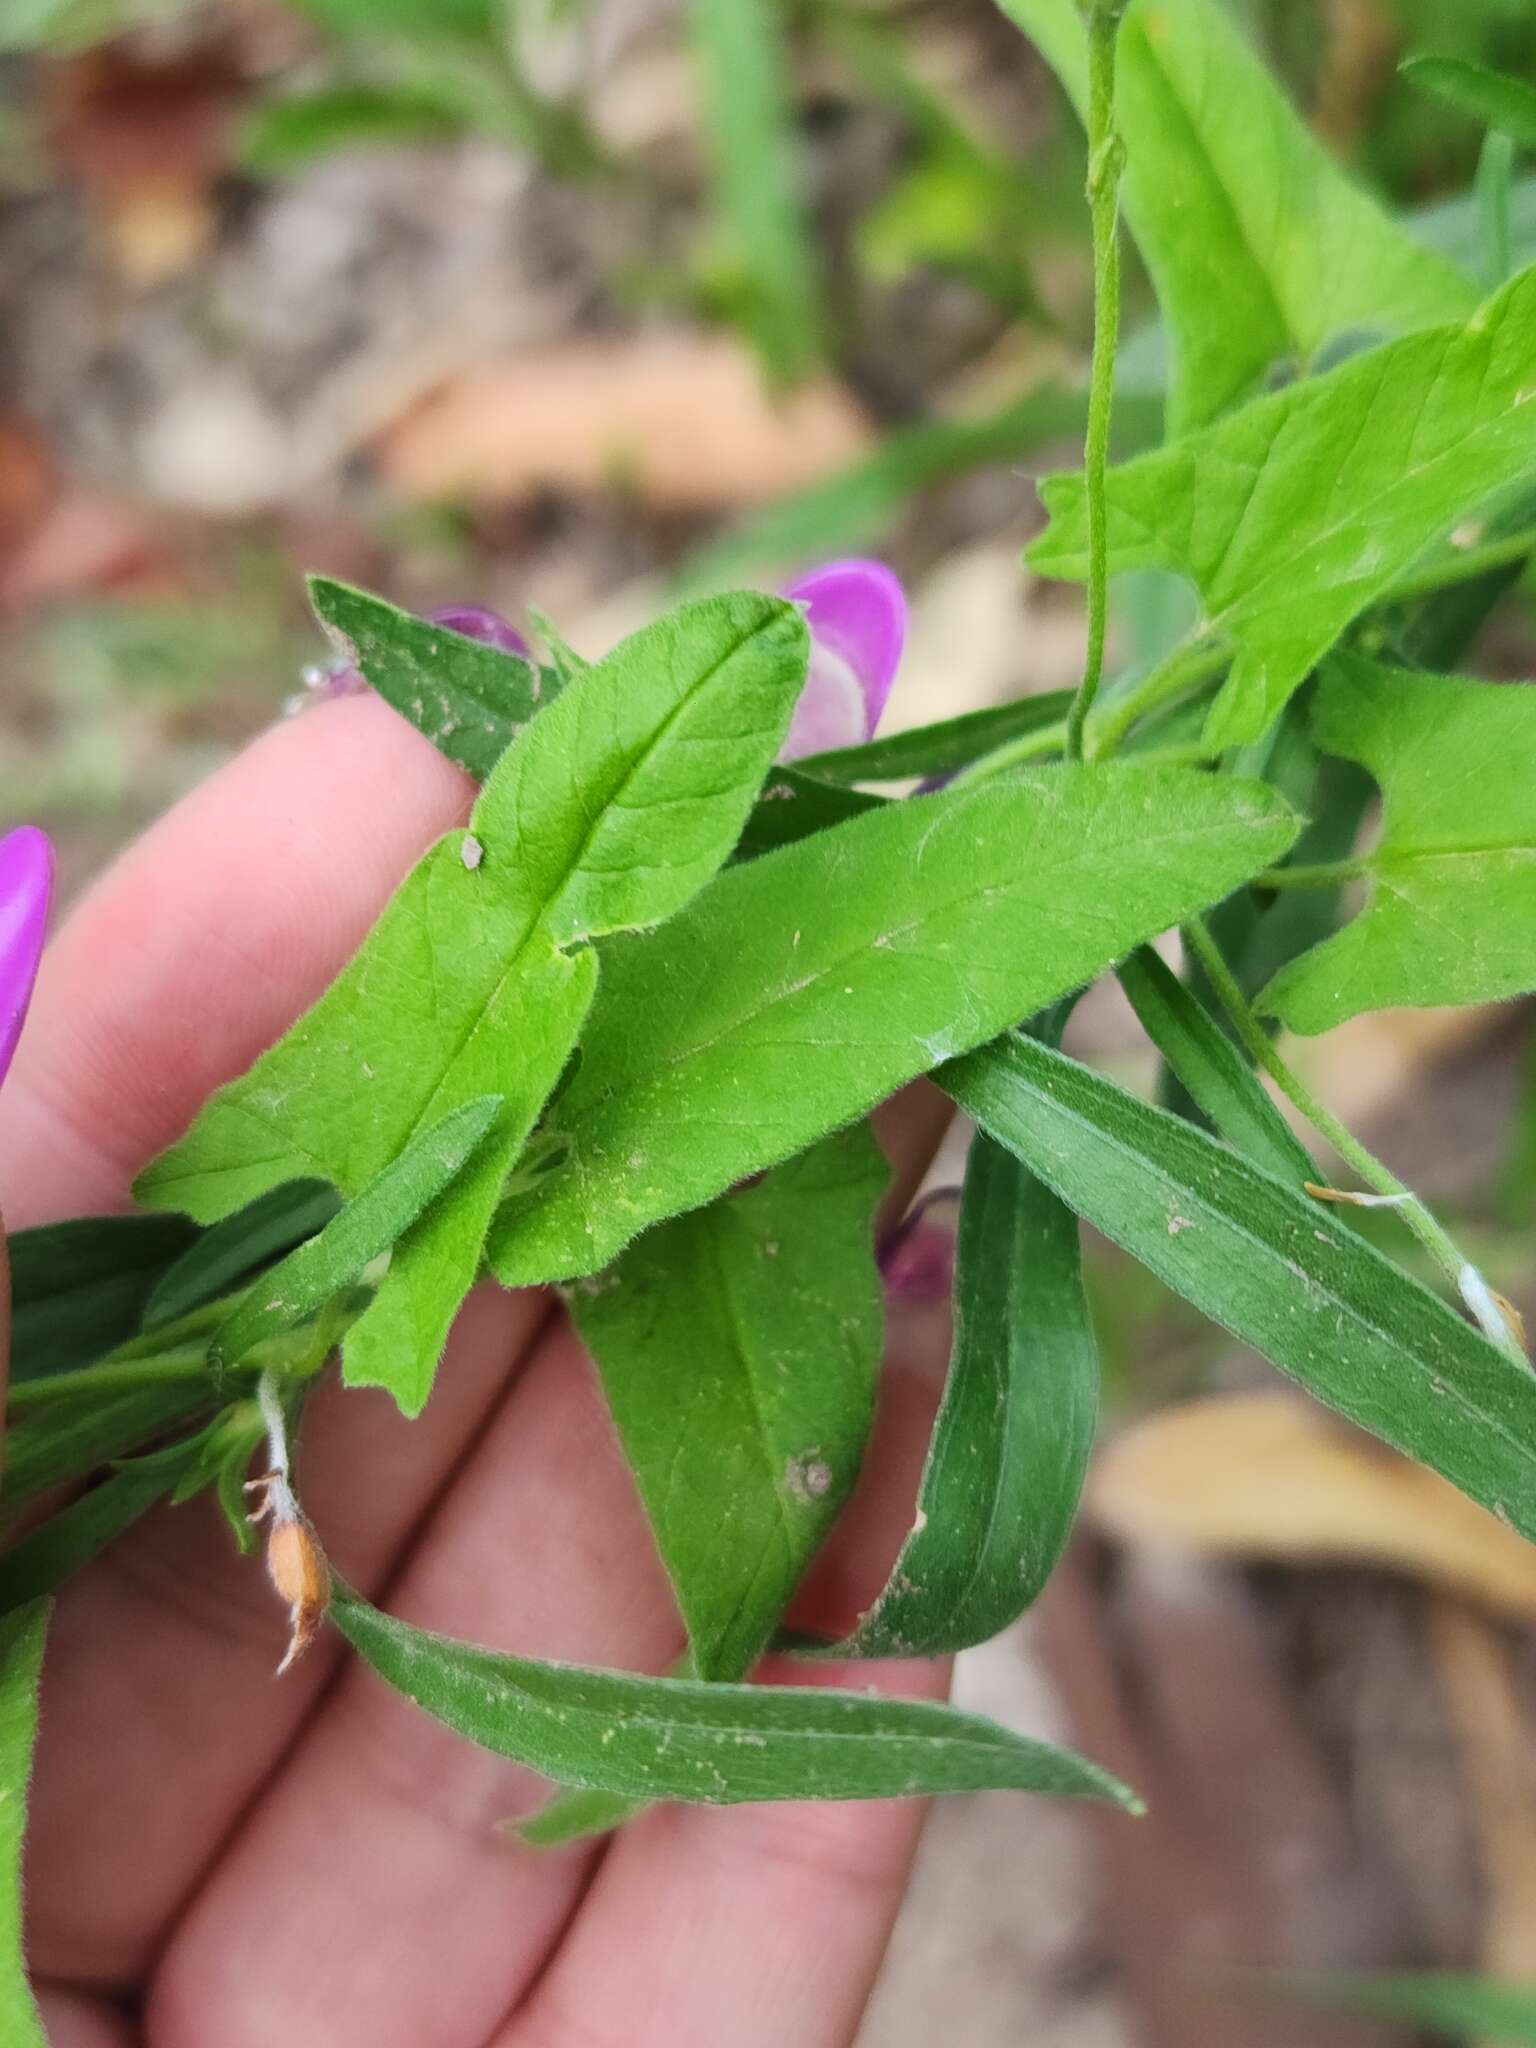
(1295,515)
(1276,1269)
(1451,916)
(607,814)
(1010,1448)
(1261,248)
(738,1348)
(717,1745)
(21,1661)
(803,988)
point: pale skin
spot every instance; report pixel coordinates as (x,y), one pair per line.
(217,1855)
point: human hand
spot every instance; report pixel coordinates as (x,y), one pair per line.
(215,1856)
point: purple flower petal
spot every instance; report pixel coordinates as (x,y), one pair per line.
(857,613)
(919,1262)
(479,622)
(26,887)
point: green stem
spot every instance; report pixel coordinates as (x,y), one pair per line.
(1191,663)
(1463,566)
(112,1376)
(1495,171)
(1325,874)
(1106,156)
(1266,1057)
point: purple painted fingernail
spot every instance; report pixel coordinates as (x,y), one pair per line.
(857,613)
(26,887)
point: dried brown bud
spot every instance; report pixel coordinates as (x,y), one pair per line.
(295,1564)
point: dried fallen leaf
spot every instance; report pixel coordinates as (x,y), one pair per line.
(1264,1475)
(681,421)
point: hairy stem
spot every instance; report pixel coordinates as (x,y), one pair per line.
(112,1376)
(1325,874)
(1106,156)
(1463,1275)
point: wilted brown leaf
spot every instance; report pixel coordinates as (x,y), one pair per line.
(681,421)
(1266,1475)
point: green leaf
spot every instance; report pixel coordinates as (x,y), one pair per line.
(746,95)
(21,1662)
(226,1254)
(1451,916)
(607,814)
(1449,2005)
(855,507)
(359,1233)
(1260,248)
(942,748)
(1492,97)
(48,1555)
(470,700)
(1273,1267)
(283,134)
(1010,1448)
(738,1348)
(577,1815)
(1220,1081)
(79,1289)
(72,1436)
(720,1745)
(428,20)
(1296,514)
(803,988)
(794,805)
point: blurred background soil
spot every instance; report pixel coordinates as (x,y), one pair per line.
(462,333)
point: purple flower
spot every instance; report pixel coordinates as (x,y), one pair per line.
(918,1264)
(26,887)
(857,613)
(478,622)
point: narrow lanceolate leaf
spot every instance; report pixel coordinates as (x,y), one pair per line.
(719,1745)
(358,1234)
(1260,247)
(738,1348)
(79,1289)
(803,988)
(70,1437)
(942,748)
(1451,916)
(1218,1078)
(1271,1265)
(1010,1448)
(46,1556)
(1295,515)
(470,700)
(1460,2006)
(608,814)
(221,1257)
(1492,97)
(21,1662)
(746,97)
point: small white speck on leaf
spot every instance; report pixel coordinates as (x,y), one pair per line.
(808,1477)
(1178,1223)
(471,852)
